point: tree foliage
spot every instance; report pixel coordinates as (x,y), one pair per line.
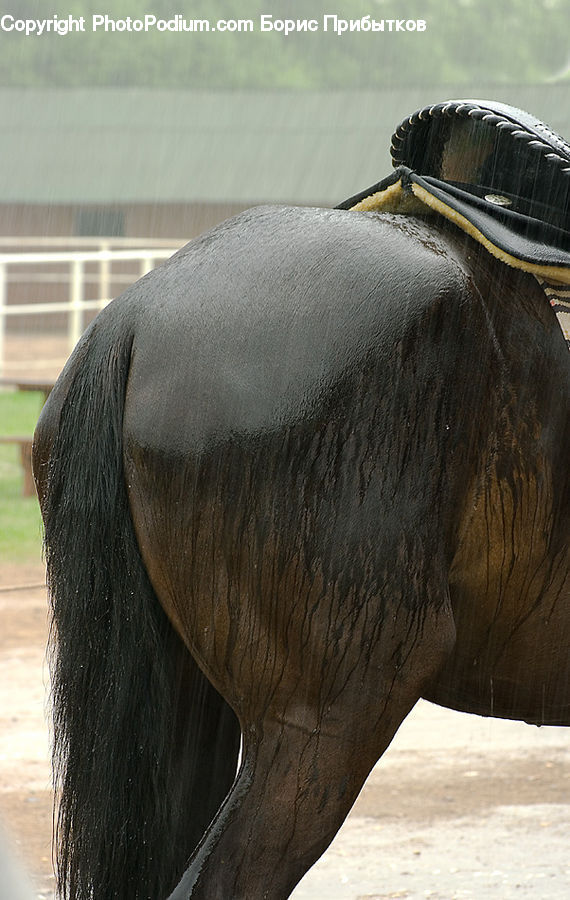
(466,42)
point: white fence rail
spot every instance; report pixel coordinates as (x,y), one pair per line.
(78,269)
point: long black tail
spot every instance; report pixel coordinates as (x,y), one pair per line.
(144,748)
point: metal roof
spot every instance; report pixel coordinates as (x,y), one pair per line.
(122,146)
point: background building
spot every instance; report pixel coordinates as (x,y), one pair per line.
(132,162)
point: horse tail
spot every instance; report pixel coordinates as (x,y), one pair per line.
(144,747)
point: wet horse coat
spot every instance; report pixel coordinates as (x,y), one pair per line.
(332,448)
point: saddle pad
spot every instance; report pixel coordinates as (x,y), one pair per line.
(498,174)
(559,297)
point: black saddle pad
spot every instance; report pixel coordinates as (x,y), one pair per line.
(495,171)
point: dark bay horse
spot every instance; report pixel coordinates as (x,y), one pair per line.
(308,471)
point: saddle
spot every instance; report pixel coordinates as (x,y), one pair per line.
(495,172)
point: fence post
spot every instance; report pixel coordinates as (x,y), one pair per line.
(3,293)
(146,264)
(104,273)
(76,303)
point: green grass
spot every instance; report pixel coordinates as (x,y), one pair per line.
(20,523)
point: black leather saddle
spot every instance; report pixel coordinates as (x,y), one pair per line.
(494,171)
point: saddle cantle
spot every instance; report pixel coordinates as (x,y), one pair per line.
(497,173)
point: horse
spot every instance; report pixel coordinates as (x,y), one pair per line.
(309,470)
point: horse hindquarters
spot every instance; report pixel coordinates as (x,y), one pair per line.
(294,526)
(135,793)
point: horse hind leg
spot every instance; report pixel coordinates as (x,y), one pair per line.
(305,761)
(293,793)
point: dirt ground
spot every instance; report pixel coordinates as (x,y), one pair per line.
(460,807)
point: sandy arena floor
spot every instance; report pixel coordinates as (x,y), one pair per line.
(459,807)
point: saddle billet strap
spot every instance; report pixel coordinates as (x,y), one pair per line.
(372,193)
